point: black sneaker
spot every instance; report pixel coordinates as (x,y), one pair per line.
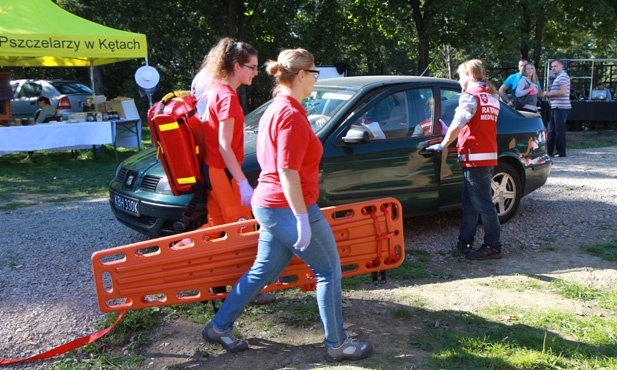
(486,252)
(225,338)
(463,247)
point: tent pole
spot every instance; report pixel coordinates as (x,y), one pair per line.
(92,79)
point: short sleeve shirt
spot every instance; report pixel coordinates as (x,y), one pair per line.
(561,102)
(198,89)
(224,104)
(286,140)
(512,81)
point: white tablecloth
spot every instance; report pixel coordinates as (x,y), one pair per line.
(56,135)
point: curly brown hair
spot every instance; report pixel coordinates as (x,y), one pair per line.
(220,61)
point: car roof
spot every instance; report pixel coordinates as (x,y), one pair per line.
(45,80)
(357,82)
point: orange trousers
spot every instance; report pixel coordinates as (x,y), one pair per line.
(224,205)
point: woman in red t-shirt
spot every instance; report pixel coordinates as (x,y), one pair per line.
(227,66)
(285,205)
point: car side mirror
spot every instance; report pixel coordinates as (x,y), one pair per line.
(356,135)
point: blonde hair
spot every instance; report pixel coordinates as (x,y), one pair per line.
(476,71)
(288,64)
(534,75)
(219,63)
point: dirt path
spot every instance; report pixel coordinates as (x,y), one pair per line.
(544,241)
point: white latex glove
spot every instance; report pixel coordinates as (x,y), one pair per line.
(246,193)
(304,232)
(435,147)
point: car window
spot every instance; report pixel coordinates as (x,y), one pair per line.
(71,87)
(14,86)
(321,105)
(397,115)
(30,90)
(449,102)
(423,112)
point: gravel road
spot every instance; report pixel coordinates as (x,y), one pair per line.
(47,296)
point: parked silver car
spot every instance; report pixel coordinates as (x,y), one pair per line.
(67,96)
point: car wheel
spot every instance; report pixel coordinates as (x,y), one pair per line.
(507,191)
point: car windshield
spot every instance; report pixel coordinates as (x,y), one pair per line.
(69,87)
(321,105)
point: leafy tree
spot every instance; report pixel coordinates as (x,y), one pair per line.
(363,36)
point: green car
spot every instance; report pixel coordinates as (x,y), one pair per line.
(375,131)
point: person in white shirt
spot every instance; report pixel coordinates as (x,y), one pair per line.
(199,86)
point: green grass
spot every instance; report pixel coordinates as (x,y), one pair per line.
(592,139)
(495,337)
(606,251)
(533,339)
(527,339)
(53,177)
(59,175)
(561,287)
(129,334)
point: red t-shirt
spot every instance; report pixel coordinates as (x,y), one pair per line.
(286,140)
(222,105)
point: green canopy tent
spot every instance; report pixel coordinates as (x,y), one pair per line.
(38,33)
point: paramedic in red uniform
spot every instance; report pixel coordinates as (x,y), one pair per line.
(228,65)
(475,124)
(285,204)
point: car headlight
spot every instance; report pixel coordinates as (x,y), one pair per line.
(163,186)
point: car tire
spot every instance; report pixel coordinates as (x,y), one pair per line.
(506,190)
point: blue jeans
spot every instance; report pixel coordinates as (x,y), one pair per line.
(277,234)
(478,201)
(557,131)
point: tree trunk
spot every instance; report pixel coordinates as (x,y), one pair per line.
(423,60)
(538,36)
(423,39)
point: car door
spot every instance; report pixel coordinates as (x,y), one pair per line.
(451,173)
(389,163)
(24,103)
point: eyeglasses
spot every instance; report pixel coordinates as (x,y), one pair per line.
(314,72)
(252,68)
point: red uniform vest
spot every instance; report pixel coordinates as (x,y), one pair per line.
(477,141)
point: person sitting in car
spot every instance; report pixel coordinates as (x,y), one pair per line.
(425,127)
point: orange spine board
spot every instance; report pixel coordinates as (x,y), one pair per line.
(158,272)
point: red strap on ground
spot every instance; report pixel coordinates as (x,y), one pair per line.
(64,348)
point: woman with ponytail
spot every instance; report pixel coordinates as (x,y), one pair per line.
(285,205)
(475,124)
(227,66)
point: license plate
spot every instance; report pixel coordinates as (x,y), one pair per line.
(128,205)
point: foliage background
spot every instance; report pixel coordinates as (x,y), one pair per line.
(363,37)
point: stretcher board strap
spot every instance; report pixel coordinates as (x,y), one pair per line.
(378,237)
(387,209)
(160,272)
(64,348)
